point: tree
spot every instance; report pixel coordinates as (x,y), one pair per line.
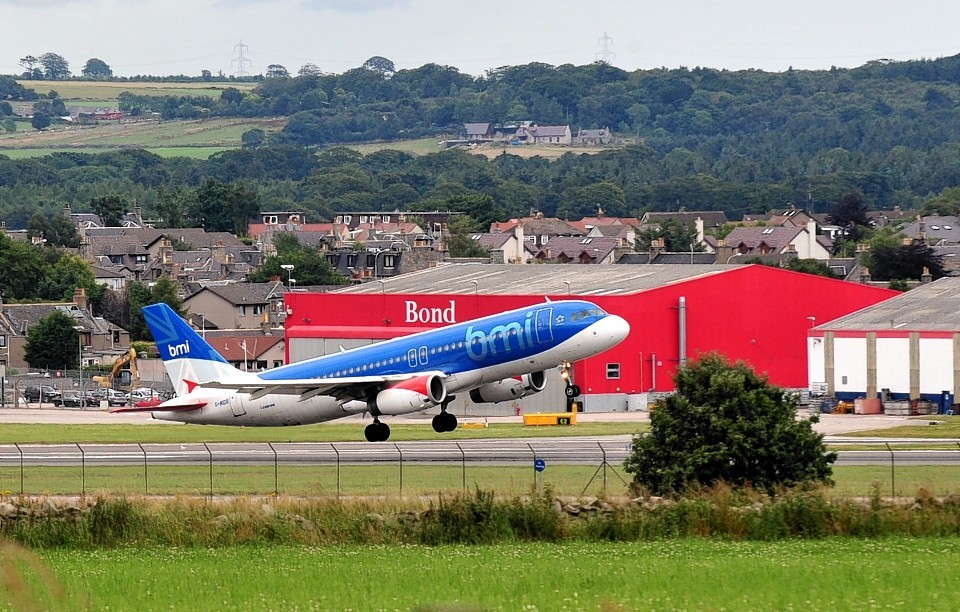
(139,295)
(310,265)
(57,230)
(224,207)
(677,237)
(253,138)
(380,65)
(31,67)
(890,260)
(850,213)
(459,241)
(309,70)
(40,121)
(726,424)
(55,67)
(52,342)
(110,209)
(96,69)
(276,71)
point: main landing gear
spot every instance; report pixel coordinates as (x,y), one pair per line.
(376,431)
(445,421)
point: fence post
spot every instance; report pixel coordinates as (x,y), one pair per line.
(21,466)
(83,471)
(463,464)
(397,446)
(210,454)
(338,467)
(276,471)
(144,451)
(893,473)
(604,451)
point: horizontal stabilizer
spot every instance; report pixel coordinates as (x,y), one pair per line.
(171,406)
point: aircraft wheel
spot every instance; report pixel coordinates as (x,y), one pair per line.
(570,390)
(384,431)
(450,421)
(371,431)
(438,423)
(576,391)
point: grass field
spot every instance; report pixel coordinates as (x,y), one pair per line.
(415,479)
(686,574)
(157,432)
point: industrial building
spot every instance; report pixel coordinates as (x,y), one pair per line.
(904,348)
(758,314)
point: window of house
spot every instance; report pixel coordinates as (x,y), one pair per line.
(437,229)
(140,258)
(242,309)
(389,261)
(3,341)
(386,218)
(271,219)
(258,309)
(544,239)
(277,363)
(363,218)
(339,219)
(371,260)
(347,218)
(613,370)
(116,337)
(351,260)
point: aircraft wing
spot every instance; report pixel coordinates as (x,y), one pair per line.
(177,404)
(343,388)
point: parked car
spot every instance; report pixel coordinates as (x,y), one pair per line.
(70,399)
(34,393)
(112,396)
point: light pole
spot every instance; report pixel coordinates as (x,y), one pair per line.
(79,329)
(289,269)
(734,255)
(567,283)
(203,327)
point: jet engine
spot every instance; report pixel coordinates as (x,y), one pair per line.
(411,395)
(509,388)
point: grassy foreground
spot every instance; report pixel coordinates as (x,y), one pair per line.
(418,479)
(834,574)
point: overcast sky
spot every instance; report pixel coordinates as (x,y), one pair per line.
(164,37)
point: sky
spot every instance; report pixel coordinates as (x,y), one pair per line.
(164,37)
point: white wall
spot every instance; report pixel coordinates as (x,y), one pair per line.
(936,365)
(850,360)
(893,364)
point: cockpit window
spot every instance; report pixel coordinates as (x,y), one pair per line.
(584,314)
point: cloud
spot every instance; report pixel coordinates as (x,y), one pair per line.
(353,6)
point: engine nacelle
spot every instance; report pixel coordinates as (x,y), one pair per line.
(411,395)
(509,389)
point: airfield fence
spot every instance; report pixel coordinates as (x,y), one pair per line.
(311,469)
(508,467)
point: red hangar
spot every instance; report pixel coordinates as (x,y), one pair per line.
(754,313)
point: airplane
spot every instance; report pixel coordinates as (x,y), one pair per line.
(496,358)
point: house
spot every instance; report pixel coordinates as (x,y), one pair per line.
(803,241)
(433,223)
(581,250)
(249,351)
(506,247)
(544,134)
(100,341)
(626,235)
(594,137)
(934,229)
(478,132)
(710,219)
(538,230)
(292,222)
(114,277)
(237,306)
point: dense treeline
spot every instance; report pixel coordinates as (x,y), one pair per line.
(740,141)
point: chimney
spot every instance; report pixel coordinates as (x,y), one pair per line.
(80,297)
(865,276)
(699,224)
(812,231)
(926,277)
(518,236)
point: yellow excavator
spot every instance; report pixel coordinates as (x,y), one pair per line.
(124,375)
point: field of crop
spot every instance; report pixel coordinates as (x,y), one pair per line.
(108,91)
(688,574)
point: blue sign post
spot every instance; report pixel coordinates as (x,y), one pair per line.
(539,465)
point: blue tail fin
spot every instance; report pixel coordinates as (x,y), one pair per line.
(187,357)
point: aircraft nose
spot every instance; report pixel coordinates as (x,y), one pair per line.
(614,328)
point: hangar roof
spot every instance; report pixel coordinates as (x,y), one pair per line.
(538,279)
(930,307)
